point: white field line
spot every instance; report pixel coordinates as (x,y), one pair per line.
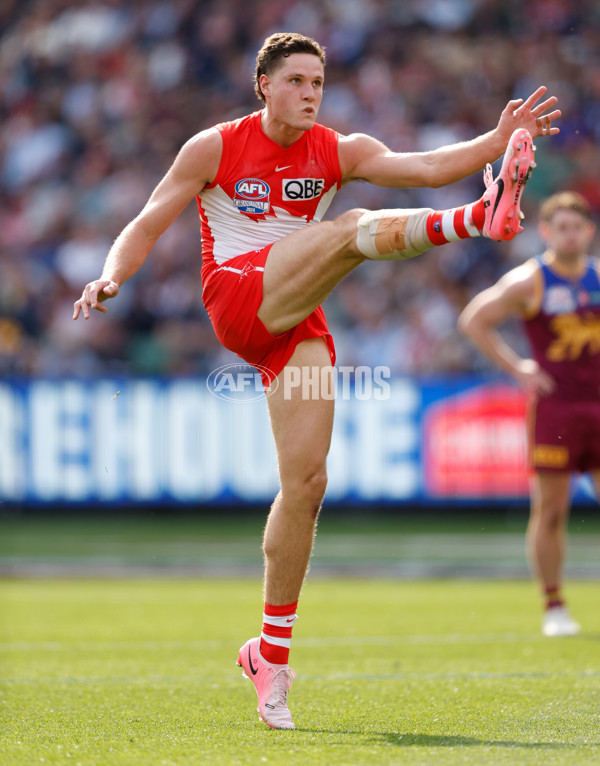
(334,677)
(333,641)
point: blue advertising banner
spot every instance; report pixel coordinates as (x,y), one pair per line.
(199,441)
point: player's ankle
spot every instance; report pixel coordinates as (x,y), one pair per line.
(463,222)
(276,635)
(553,597)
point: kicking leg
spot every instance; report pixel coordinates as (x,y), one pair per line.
(303,267)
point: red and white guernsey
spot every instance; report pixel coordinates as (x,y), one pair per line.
(262,191)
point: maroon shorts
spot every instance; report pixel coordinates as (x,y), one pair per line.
(232,295)
(564,435)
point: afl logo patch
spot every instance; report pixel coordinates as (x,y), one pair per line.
(252,196)
(295,189)
(559,299)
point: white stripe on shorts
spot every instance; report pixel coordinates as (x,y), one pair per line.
(239,271)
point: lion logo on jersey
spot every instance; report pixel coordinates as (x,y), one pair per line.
(574,333)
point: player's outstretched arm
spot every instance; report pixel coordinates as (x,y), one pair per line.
(363,157)
(511,296)
(194,167)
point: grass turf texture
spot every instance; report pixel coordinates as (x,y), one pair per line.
(103,672)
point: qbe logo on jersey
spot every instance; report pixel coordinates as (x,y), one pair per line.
(252,196)
(295,189)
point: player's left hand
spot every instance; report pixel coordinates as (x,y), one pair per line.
(536,118)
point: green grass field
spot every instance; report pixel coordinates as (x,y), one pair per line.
(418,643)
(123,671)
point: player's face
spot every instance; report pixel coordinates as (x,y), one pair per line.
(294,90)
(568,234)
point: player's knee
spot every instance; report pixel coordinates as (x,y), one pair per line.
(318,486)
(348,224)
(308,490)
(314,484)
(553,517)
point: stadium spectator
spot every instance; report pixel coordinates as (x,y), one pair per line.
(116,87)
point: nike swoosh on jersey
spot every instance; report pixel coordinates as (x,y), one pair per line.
(284,167)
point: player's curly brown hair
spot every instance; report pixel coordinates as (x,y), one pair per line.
(565,200)
(279,46)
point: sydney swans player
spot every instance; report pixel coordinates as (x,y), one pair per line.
(263,184)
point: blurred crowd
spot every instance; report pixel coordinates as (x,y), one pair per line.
(97,96)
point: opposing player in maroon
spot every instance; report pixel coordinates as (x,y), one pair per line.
(558,297)
(263,183)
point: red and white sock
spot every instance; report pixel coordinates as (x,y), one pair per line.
(276,635)
(458,223)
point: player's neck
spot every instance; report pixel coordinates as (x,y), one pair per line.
(279,131)
(566,264)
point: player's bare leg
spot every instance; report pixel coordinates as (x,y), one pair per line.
(302,426)
(546,538)
(302,421)
(547,525)
(303,267)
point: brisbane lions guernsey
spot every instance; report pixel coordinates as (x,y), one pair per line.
(262,191)
(565,333)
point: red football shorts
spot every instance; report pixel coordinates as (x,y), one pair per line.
(232,294)
(564,435)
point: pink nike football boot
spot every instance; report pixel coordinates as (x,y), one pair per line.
(272,684)
(503,195)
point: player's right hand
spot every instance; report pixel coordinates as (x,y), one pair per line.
(533,379)
(93,295)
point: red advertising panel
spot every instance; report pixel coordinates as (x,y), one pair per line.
(475,444)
